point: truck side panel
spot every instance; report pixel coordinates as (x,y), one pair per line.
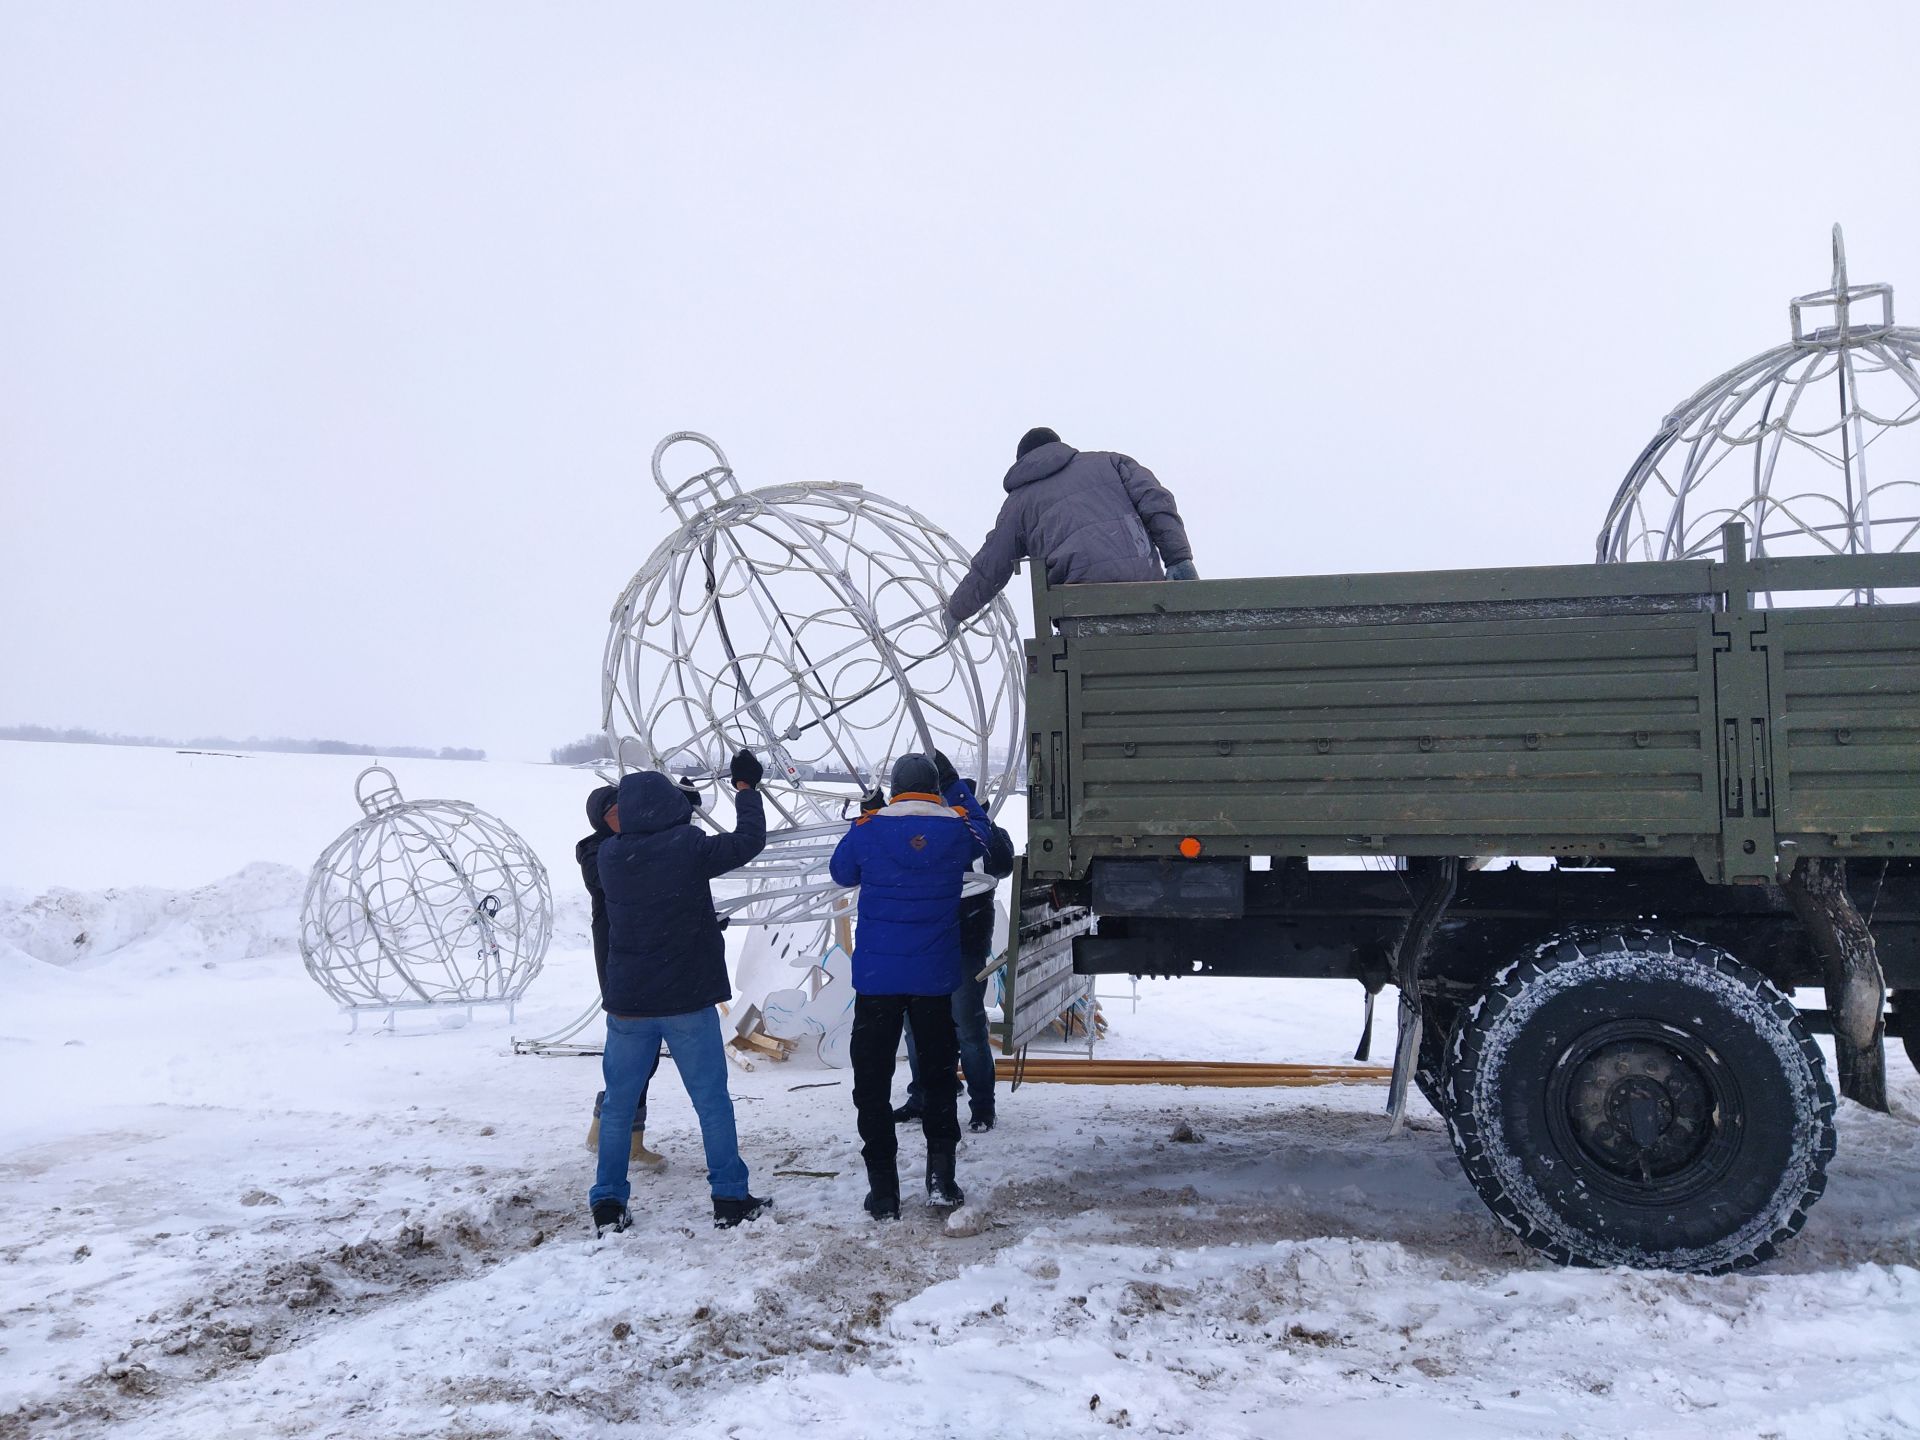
(1508,729)
(1847,685)
(1637,711)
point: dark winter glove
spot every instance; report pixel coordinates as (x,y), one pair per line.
(1182,570)
(745,771)
(947,775)
(690,790)
(874,799)
(951,626)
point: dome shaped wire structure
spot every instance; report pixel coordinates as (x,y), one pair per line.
(424,903)
(804,622)
(1813,445)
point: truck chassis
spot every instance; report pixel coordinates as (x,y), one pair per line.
(1720,800)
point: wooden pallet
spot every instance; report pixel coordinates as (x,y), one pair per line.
(758,1045)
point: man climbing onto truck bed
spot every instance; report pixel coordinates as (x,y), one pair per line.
(1088,515)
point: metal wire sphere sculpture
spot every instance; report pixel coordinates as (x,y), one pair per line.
(1813,444)
(424,902)
(805,622)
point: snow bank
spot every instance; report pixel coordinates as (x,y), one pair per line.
(250,914)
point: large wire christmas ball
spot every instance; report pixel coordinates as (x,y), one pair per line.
(804,622)
(1812,445)
(424,902)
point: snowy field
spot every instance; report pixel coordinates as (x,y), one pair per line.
(221,1214)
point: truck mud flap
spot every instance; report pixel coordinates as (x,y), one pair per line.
(1040,979)
(1438,881)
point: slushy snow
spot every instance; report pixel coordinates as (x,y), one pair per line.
(222,1214)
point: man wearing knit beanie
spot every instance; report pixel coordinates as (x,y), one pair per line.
(910,858)
(1089,516)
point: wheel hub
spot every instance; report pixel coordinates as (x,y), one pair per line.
(1639,1102)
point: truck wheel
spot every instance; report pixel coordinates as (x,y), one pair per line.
(1635,1098)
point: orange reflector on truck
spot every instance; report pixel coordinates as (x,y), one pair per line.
(1190,848)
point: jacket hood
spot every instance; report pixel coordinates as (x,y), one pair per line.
(598,803)
(650,803)
(1037,464)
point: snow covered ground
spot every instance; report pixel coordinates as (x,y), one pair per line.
(220,1213)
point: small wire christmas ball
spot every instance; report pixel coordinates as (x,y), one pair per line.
(424,902)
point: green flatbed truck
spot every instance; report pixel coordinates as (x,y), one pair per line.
(1711,770)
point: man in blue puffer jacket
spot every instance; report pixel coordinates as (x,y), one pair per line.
(666,971)
(909,858)
(970,1000)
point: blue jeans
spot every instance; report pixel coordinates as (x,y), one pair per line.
(633,1046)
(976,1054)
(640,1113)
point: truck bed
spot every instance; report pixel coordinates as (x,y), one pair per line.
(1639,710)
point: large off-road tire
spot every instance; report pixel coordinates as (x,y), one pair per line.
(1635,1098)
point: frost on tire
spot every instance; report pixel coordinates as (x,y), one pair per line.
(1635,1098)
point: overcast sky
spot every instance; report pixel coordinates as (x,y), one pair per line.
(334,338)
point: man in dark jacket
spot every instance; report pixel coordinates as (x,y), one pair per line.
(970,999)
(1089,516)
(909,859)
(666,971)
(603,814)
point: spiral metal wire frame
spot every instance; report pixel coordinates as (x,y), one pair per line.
(1795,443)
(424,903)
(804,622)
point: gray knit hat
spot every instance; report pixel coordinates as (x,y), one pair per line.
(915,772)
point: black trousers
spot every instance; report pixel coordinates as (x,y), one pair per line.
(876,1040)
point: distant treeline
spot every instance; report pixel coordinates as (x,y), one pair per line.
(584,751)
(278,744)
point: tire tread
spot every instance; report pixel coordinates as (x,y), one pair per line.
(1575,946)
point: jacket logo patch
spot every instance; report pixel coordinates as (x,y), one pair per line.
(919,842)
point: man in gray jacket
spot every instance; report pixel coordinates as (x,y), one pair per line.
(1087,515)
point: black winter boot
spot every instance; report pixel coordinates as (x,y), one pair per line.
(609,1215)
(907,1114)
(729,1211)
(982,1120)
(883,1192)
(942,1189)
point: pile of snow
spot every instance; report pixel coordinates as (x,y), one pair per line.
(252,913)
